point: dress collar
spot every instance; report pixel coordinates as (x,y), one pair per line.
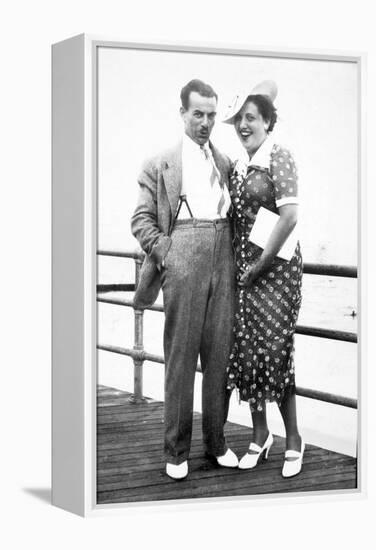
(262,156)
(260,159)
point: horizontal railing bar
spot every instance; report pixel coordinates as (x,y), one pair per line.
(116,287)
(300,329)
(332,270)
(128,303)
(121,254)
(141,355)
(327,397)
(341,335)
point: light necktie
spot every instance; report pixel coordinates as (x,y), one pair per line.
(215,177)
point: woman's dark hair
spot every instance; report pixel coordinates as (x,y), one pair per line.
(266,109)
(198,86)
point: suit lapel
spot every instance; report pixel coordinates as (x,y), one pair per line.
(172,176)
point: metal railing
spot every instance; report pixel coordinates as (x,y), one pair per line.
(139,355)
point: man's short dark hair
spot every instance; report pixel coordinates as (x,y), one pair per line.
(198,86)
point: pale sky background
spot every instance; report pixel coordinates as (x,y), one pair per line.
(317,106)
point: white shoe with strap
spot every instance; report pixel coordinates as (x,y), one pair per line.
(293,462)
(255,453)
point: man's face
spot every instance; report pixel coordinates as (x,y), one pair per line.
(199,118)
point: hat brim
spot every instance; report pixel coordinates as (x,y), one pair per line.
(230,120)
(236,106)
(267,88)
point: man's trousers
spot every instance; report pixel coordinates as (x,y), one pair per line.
(198,294)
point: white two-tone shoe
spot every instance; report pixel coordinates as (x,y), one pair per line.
(256,453)
(293,462)
(228,460)
(177,471)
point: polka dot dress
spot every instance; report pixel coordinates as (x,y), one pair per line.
(261,363)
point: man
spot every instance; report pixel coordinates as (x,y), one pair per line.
(181,223)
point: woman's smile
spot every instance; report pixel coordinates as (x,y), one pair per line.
(250,127)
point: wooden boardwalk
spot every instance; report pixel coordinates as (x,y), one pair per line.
(131,466)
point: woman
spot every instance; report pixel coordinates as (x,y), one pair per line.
(268,295)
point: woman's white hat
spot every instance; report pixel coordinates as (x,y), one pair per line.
(266,87)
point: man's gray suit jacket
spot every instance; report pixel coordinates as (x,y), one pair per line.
(160,184)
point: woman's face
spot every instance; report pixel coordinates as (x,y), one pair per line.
(250,127)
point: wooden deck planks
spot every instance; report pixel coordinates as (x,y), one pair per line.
(130,461)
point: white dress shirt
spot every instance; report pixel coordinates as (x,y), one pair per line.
(203,197)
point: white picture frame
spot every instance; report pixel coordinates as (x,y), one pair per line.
(74,259)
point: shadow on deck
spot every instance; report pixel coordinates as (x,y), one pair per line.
(131,466)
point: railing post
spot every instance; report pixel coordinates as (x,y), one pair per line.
(137,396)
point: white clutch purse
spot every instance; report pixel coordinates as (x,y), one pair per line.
(262,228)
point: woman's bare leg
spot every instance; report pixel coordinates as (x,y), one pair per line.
(260,426)
(288,412)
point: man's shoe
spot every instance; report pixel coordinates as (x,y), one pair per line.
(177,471)
(228,460)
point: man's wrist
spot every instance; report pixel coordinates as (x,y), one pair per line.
(160,249)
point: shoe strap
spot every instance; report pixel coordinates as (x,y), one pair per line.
(293,454)
(254,447)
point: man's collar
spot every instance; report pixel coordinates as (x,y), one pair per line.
(191,145)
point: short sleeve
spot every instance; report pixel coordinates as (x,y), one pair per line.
(284,177)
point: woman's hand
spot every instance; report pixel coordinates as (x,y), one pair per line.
(282,229)
(249,275)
